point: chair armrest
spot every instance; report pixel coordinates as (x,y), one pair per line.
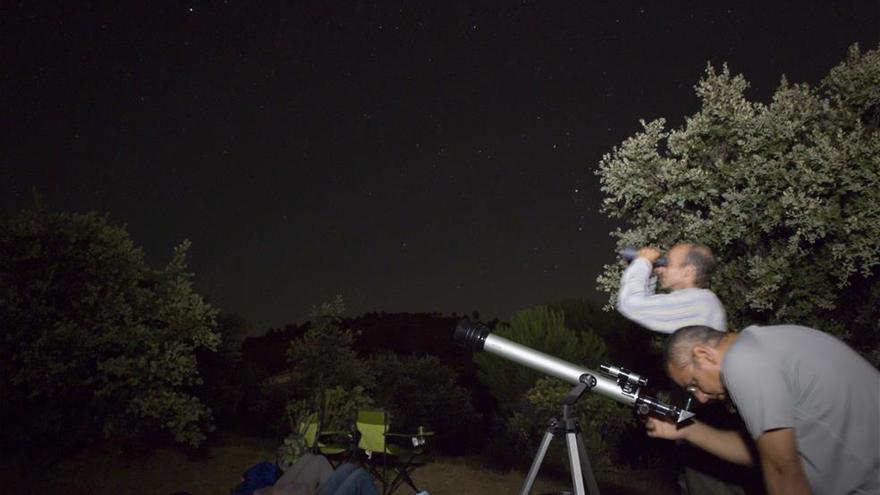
(335,432)
(418,439)
(407,435)
(348,436)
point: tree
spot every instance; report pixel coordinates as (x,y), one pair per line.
(94,341)
(786,194)
(326,377)
(422,391)
(324,358)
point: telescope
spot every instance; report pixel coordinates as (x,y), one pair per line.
(613,382)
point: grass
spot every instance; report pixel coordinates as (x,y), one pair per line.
(167,471)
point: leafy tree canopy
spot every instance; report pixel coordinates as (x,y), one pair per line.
(94,341)
(785,193)
(324,357)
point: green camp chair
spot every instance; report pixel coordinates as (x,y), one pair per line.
(376,442)
(336,446)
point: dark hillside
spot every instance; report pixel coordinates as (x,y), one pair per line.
(406,334)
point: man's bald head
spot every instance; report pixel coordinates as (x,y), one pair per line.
(698,256)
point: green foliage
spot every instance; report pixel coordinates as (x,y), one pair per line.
(543,329)
(421,391)
(602,421)
(326,375)
(338,405)
(786,194)
(224,375)
(628,344)
(515,387)
(339,408)
(324,357)
(94,341)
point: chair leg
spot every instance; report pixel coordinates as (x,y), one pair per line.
(403,476)
(380,470)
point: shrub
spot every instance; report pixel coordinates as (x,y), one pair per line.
(421,391)
(339,406)
(94,342)
(542,329)
(522,393)
(602,421)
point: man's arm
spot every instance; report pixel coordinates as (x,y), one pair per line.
(726,444)
(783,472)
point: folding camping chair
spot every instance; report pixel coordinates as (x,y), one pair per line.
(375,440)
(336,446)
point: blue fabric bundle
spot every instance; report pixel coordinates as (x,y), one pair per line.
(259,475)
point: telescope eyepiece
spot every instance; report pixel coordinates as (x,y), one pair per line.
(471,335)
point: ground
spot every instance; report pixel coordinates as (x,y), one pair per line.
(168,471)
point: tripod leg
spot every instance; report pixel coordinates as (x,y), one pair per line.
(585,465)
(575,464)
(536,463)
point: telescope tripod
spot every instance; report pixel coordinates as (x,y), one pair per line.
(578,461)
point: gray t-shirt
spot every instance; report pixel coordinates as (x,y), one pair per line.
(789,376)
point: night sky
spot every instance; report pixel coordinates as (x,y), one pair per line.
(411,156)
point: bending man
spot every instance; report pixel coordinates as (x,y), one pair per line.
(811,403)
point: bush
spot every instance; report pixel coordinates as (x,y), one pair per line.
(94,342)
(522,393)
(602,421)
(421,391)
(628,344)
(324,357)
(339,406)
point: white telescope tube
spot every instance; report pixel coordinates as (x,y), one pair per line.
(555,367)
(479,338)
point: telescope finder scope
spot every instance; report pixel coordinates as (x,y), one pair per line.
(623,375)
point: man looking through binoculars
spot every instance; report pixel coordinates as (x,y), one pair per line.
(686,274)
(811,404)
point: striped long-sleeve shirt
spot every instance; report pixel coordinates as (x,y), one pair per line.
(666,313)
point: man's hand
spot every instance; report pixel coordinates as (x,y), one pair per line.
(658,428)
(649,254)
(726,444)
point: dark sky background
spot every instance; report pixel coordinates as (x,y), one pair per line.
(410,156)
